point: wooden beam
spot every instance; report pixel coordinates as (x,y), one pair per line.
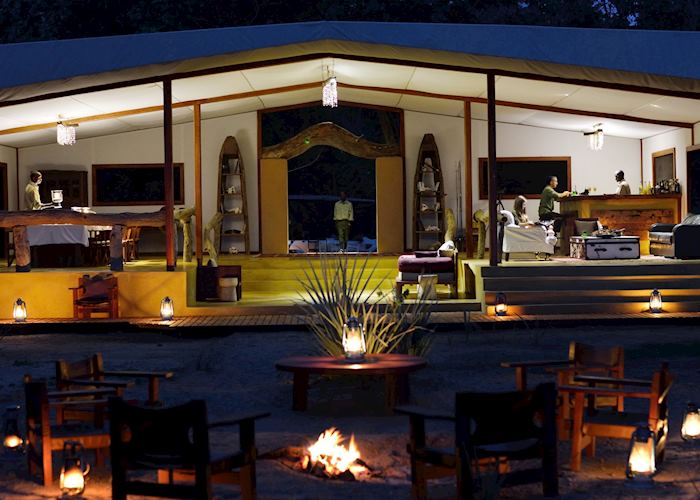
(34,217)
(329,134)
(493,185)
(468,178)
(168,175)
(198,182)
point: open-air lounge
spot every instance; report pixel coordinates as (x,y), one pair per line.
(357,180)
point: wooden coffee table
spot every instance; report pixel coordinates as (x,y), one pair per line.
(394,367)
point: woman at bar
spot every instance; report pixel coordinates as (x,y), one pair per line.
(520,211)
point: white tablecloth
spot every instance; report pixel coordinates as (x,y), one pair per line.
(57,234)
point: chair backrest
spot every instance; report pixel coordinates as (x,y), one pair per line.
(156,439)
(660,389)
(503,417)
(99,236)
(592,358)
(91,368)
(36,405)
(585,225)
(96,287)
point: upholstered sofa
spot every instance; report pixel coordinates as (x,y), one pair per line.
(681,241)
(524,239)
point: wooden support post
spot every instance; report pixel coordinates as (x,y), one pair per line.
(116,250)
(170,258)
(23,256)
(198,182)
(468,207)
(493,188)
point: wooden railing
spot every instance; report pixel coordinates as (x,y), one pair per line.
(18,222)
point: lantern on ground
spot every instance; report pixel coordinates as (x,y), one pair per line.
(12,438)
(501,304)
(690,430)
(354,340)
(73,472)
(19,311)
(641,461)
(57,197)
(655,302)
(167,309)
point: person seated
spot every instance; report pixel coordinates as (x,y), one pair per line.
(520,211)
(623,188)
(547,199)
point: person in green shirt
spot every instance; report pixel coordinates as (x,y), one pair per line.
(343,217)
(547,199)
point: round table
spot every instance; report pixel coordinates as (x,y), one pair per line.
(394,367)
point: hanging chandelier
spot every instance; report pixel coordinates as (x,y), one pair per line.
(329,96)
(65,134)
(595,138)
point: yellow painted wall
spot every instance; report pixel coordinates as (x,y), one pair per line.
(273,206)
(390,207)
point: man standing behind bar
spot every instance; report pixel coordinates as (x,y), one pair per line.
(623,188)
(343,217)
(547,199)
(32,199)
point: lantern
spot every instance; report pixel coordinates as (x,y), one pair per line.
(167,309)
(641,463)
(19,311)
(57,197)
(72,480)
(501,304)
(655,302)
(690,430)
(354,340)
(12,438)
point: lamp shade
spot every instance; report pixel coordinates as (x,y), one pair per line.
(167,309)
(354,345)
(641,460)
(19,311)
(57,196)
(690,429)
(501,304)
(655,302)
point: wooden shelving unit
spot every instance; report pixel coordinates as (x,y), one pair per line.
(428,197)
(232,201)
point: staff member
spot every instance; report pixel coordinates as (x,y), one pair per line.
(32,199)
(623,188)
(547,199)
(343,217)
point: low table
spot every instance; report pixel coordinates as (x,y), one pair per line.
(597,248)
(394,367)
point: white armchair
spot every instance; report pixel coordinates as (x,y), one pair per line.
(525,239)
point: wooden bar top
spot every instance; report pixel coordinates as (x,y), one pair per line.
(632,197)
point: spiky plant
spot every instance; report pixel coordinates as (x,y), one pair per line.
(341,287)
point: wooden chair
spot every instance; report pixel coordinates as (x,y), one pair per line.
(590,423)
(584,359)
(45,435)
(98,247)
(175,442)
(491,430)
(90,372)
(94,295)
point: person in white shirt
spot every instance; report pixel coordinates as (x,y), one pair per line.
(32,199)
(343,217)
(623,188)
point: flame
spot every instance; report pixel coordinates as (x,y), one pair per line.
(329,452)
(12,441)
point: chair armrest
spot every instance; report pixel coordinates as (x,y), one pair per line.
(604,391)
(76,288)
(79,402)
(535,364)
(661,228)
(593,379)
(238,419)
(78,393)
(99,383)
(417,411)
(138,373)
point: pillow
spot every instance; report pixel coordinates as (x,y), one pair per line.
(447,249)
(508,218)
(691,219)
(585,226)
(424,254)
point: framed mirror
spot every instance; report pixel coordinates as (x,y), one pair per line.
(663,165)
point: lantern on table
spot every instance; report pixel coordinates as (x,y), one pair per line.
(167,309)
(354,344)
(655,302)
(72,479)
(501,304)
(641,461)
(19,311)
(57,197)
(12,438)
(690,430)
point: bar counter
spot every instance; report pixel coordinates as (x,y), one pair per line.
(635,213)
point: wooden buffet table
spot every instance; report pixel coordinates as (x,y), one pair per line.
(635,213)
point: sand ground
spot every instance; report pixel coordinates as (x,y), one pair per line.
(236,373)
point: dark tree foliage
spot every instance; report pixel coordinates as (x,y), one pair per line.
(27,20)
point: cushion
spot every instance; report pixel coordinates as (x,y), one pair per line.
(413,264)
(425,254)
(97,288)
(585,226)
(691,219)
(447,249)
(664,238)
